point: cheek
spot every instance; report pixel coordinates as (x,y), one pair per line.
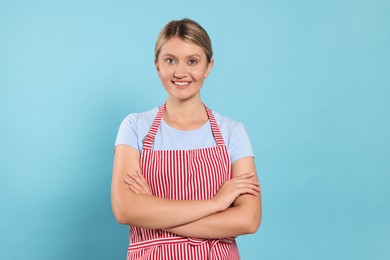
(165,74)
(199,74)
(163,69)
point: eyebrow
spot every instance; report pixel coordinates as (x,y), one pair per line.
(192,55)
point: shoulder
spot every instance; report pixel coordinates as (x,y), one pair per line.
(226,124)
(139,119)
(134,126)
(235,137)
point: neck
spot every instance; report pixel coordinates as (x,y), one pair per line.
(186,115)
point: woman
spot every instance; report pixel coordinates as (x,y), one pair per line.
(184,177)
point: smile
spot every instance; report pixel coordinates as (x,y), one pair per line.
(181,83)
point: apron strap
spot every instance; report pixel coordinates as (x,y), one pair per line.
(214,127)
(149,138)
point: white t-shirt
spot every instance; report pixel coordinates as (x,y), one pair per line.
(135,127)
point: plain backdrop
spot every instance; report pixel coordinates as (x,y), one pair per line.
(309,79)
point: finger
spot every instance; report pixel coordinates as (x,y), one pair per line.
(134,188)
(242,188)
(253,193)
(135,177)
(254,188)
(138,181)
(127,181)
(246,175)
(143,188)
(130,179)
(245,181)
(140,177)
(254,185)
(138,173)
(248,190)
(133,185)
(131,175)
(143,183)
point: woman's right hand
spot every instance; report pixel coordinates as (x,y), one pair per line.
(231,189)
(137,183)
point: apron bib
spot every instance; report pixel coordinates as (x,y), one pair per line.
(182,175)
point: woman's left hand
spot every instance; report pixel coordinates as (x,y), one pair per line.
(137,183)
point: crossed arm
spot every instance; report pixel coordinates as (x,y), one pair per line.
(233,211)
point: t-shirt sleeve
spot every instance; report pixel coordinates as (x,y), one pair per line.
(239,143)
(128,132)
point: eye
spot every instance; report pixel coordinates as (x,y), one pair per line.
(169,60)
(192,62)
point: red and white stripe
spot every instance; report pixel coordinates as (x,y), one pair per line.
(182,175)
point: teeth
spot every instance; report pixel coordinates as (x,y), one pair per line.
(181,83)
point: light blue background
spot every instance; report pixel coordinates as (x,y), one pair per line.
(309,79)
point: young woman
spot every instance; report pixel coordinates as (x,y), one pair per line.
(184,177)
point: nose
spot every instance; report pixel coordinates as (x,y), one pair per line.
(180,70)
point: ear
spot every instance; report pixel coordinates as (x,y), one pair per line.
(157,68)
(209,67)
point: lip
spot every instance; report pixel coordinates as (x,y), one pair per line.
(181,84)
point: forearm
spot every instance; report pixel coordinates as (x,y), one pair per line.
(155,213)
(134,205)
(234,221)
(145,210)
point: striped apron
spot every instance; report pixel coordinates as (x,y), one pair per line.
(182,175)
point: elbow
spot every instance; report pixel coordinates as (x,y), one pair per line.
(253,224)
(121,219)
(120,216)
(254,221)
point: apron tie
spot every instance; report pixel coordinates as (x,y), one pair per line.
(174,240)
(212,243)
(199,241)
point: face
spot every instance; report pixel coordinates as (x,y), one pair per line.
(182,68)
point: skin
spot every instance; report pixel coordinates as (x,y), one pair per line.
(234,210)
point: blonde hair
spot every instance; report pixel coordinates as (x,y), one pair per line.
(187,30)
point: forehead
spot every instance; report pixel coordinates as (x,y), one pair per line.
(180,48)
